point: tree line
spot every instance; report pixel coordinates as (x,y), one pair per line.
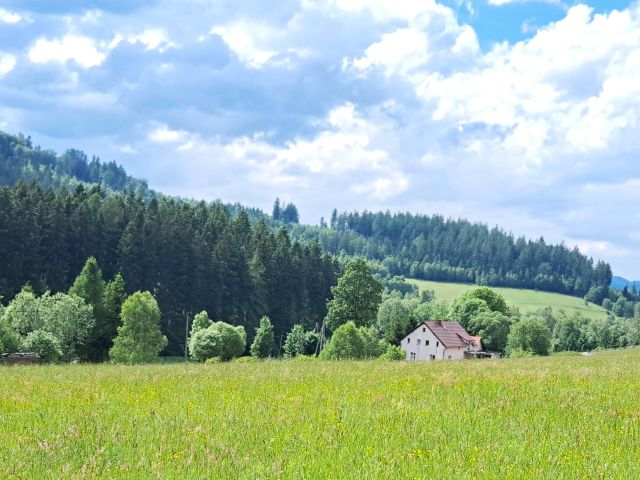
(190,256)
(435,248)
(21,161)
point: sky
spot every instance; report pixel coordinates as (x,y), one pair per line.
(522,114)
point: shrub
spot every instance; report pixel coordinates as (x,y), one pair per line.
(9,341)
(44,344)
(394,352)
(529,335)
(219,340)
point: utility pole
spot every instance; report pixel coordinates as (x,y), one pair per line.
(320,343)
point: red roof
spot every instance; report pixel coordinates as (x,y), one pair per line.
(451,334)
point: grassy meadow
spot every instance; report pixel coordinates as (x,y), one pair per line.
(558,417)
(526,300)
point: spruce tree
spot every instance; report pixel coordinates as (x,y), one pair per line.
(89,286)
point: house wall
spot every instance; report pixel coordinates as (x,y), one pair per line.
(421,349)
(456,353)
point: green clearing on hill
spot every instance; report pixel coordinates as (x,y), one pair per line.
(556,417)
(526,300)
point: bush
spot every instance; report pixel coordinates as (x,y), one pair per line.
(245,359)
(394,352)
(529,335)
(9,341)
(44,344)
(346,343)
(518,353)
(219,340)
(350,342)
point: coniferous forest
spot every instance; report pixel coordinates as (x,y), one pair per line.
(436,248)
(192,257)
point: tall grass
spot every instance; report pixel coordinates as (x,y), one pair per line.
(564,417)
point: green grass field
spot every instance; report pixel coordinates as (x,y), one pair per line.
(526,300)
(550,418)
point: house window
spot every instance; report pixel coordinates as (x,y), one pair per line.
(412,356)
(408,340)
(432,357)
(424,329)
(437,344)
(426,342)
(418,342)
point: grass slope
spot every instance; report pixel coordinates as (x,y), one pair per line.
(526,300)
(557,417)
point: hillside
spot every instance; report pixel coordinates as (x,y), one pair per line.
(21,161)
(526,300)
(432,247)
(419,246)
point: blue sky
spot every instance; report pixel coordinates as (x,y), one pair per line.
(523,114)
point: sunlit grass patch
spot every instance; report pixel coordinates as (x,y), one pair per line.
(564,417)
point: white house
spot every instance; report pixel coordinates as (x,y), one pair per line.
(440,341)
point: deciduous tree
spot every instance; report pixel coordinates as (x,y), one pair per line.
(139,337)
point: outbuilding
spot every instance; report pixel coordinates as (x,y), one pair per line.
(26,358)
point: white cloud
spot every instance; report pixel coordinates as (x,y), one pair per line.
(152,38)
(571,88)
(386,9)
(247,40)
(384,188)
(499,3)
(398,52)
(7,63)
(82,50)
(9,17)
(163,134)
(431,38)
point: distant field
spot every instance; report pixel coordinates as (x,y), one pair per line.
(525,300)
(558,417)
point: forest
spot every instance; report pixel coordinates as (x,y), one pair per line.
(436,248)
(191,257)
(241,266)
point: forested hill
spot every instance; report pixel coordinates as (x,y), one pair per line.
(435,248)
(21,161)
(192,257)
(420,246)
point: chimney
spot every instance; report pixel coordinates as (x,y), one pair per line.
(439,323)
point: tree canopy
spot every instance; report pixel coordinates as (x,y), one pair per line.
(139,338)
(356,297)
